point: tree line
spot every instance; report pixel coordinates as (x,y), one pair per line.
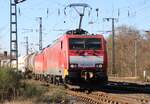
(132,52)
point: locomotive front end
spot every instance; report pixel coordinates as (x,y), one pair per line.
(87,59)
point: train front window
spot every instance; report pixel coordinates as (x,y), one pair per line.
(84,44)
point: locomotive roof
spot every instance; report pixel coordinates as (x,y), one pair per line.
(80,32)
(77,32)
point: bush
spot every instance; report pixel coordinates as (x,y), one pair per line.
(9,79)
(9,83)
(32,90)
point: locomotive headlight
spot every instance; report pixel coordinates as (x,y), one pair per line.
(98,65)
(73,65)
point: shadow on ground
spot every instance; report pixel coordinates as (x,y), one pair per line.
(116,87)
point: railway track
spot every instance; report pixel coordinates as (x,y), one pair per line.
(101,98)
(116,93)
(139,98)
(111,94)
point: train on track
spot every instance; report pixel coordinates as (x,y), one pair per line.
(76,57)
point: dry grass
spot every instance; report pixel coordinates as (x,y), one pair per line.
(49,94)
(28,91)
(20,102)
(56,94)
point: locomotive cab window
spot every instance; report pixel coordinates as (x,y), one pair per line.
(85,44)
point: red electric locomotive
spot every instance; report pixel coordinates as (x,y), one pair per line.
(77,57)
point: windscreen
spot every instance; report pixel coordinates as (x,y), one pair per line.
(85,44)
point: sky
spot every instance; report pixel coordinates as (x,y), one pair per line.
(55,22)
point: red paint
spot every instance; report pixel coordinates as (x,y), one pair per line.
(39,64)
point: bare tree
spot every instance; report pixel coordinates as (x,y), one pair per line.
(129,45)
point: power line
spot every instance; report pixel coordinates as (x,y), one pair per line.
(80,13)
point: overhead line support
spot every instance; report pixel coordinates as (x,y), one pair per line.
(113,43)
(13,34)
